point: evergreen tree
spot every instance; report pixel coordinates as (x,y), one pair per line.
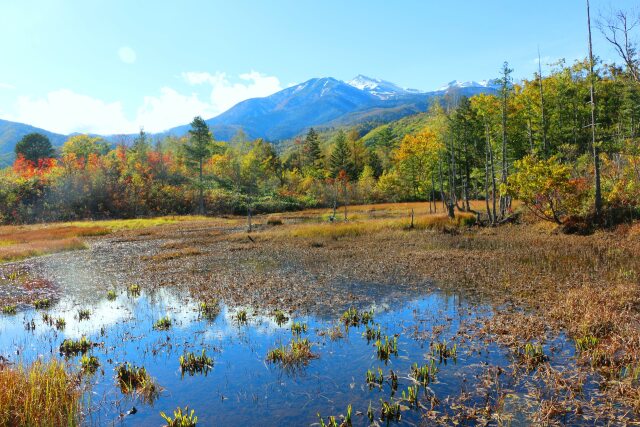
(197,150)
(311,149)
(340,157)
(34,147)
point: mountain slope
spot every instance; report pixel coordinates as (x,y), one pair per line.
(12,132)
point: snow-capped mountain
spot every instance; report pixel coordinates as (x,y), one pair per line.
(380,88)
(457,84)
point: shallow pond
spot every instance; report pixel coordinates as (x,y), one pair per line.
(242,388)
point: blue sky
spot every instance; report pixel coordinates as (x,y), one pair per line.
(111,66)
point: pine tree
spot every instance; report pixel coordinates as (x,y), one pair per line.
(198,149)
(311,149)
(340,157)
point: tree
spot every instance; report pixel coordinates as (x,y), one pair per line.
(617,29)
(311,149)
(340,159)
(505,90)
(595,148)
(34,147)
(198,149)
(84,146)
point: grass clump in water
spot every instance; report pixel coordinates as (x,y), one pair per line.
(298,328)
(43,394)
(242,316)
(134,290)
(89,364)
(192,364)
(180,418)
(84,314)
(297,353)
(353,317)
(42,303)
(390,411)
(372,334)
(346,422)
(374,379)
(531,355)
(60,323)
(133,379)
(280,317)
(9,309)
(162,324)
(209,309)
(384,349)
(443,351)
(424,374)
(111,295)
(586,343)
(71,347)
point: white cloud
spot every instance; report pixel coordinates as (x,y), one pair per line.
(171,109)
(6,86)
(225,94)
(65,111)
(127,55)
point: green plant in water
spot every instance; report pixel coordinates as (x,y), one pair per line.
(191,363)
(280,317)
(531,355)
(390,411)
(180,418)
(372,334)
(586,343)
(443,351)
(346,422)
(136,379)
(134,290)
(162,324)
(111,295)
(298,328)
(84,314)
(71,347)
(411,396)
(60,323)
(353,317)
(298,352)
(370,414)
(89,363)
(209,309)
(42,303)
(384,349)
(9,309)
(373,379)
(241,316)
(424,374)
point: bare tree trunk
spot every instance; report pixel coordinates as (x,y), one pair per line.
(596,154)
(444,203)
(201,192)
(493,178)
(486,178)
(544,122)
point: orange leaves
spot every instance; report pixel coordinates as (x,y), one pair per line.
(28,169)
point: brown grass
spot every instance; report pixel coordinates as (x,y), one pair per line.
(167,256)
(43,394)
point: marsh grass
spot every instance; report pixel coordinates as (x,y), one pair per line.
(162,324)
(297,353)
(387,347)
(298,328)
(390,411)
(209,309)
(10,309)
(84,314)
(374,378)
(42,394)
(193,364)
(135,380)
(134,290)
(70,347)
(111,295)
(168,256)
(41,304)
(444,351)
(280,317)
(531,355)
(242,317)
(181,418)
(353,317)
(89,363)
(424,374)
(333,422)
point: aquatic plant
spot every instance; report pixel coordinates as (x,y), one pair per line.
(346,422)
(162,324)
(41,394)
(42,303)
(134,290)
(586,343)
(133,379)
(374,380)
(180,418)
(241,316)
(298,328)
(411,396)
(384,349)
(89,364)
(531,355)
(209,309)
(111,295)
(390,411)
(280,317)
(370,414)
(71,347)
(84,314)
(298,352)
(353,317)
(424,374)
(9,309)
(443,351)
(371,333)
(60,323)
(191,363)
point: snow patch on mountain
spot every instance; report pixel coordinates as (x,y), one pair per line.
(380,88)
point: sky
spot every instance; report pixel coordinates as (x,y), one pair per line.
(114,66)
